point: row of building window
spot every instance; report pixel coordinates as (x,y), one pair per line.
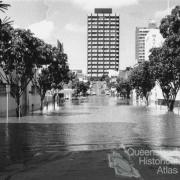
(103,26)
(104,23)
(101,67)
(99,53)
(99,59)
(102,50)
(102,16)
(102,30)
(103,19)
(108,43)
(109,31)
(102,62)
(103,39)
(103,33)
(95,70)
(99,40)
(112,35)
(102,58)
(103,47)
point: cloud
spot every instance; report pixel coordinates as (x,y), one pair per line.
(42,29)
(163,13)
(91,4)
(75,28)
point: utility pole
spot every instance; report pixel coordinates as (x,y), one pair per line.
(7,101)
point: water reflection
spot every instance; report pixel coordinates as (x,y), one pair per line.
(161,130)
(95,124)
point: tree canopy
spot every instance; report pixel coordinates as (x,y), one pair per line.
(142,79)
(124,87)
(165,61)
(21,54)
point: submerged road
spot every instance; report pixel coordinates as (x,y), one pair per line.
(96,138)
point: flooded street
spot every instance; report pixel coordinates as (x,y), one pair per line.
(97,123)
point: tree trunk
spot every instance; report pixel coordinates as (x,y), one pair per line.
(42,100)
(18,109)
(147,100)
(170,101)
(128,95)
(171,105)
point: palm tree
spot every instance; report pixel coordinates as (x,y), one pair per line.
(6,20)
(3,6)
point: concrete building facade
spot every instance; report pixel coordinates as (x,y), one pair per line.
(140,35)
(153,39)
(103,42)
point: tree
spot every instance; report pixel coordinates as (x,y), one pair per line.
(21,54)
(59,68)
(6,21)
(84,86)
(165,61)
(43,83)
(166,71)
(3,6)
(18,59)
(80,87)
(170,25)
(142,80)
(56,72)
(124,87)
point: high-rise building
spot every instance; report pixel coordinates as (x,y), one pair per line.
(141,33)
(103,42)
(153,39)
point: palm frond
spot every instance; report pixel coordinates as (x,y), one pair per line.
(3,6)
(6,21)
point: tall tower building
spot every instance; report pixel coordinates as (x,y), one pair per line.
(103,42)
(141,33)
(153,39)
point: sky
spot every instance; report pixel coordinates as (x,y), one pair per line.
(66,20)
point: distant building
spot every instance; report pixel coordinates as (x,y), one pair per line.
(141,33)
(153,39)
(80,75)
(124,74)
(103,42)
(113,73)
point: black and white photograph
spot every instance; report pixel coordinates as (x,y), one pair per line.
(89,89)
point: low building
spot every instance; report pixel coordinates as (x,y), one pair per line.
(113,75)
(124,74)
(80,75)
(30,100)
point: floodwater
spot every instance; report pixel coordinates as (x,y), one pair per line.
(96,123)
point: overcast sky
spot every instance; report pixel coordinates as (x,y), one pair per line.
(66,20)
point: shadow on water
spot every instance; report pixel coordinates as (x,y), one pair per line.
(121,101)
(14,145)
(59,114)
